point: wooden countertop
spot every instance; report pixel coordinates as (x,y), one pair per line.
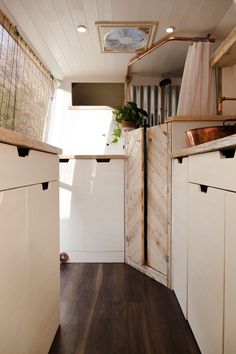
(89,157)
(13,138)
(219,144)
(201,118)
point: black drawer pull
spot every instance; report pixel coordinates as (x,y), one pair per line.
(22,152)
(227,153)
(103,160)
(45,186)
(180,159)
(203,188)
(64,160)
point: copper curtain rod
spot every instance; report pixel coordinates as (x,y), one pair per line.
(162,42)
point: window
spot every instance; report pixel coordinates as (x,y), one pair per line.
(26,86)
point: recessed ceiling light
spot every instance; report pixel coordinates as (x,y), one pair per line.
(170,29)
(81,29)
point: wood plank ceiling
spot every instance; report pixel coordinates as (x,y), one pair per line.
(50,27)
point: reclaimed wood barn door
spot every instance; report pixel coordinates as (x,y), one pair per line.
(134,198)
(151,256)
(158,188)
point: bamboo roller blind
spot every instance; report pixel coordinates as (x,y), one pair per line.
(26,86)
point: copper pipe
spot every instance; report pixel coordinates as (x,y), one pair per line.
(223,98)
(162,42)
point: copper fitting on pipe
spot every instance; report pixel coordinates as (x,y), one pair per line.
(164,41)
(220,102)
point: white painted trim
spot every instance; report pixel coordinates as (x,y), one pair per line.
(94,257)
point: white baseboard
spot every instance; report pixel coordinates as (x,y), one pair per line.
(95,257)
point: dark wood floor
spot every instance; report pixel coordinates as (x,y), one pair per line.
(113,308)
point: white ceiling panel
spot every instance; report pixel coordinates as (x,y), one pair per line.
(50,28)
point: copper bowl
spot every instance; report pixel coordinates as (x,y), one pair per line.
(203,135)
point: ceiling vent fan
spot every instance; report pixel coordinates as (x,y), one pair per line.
(123,37)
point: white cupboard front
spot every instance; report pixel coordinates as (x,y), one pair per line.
(230,271)
(206,266)
(92,209)
(180,230)
(29,235)
(13,273)
(43,251)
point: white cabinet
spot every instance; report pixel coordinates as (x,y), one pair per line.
(25,167)
(207,230)
(92,209)
(215,169)
(206,267)
(13,271)
(43,264)
(29,235)
(230,271)
(179,230)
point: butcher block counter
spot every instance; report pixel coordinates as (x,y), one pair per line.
(219,144)
(29,238)
(204,242)
(13,138)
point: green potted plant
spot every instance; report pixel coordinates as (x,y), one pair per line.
(127,116)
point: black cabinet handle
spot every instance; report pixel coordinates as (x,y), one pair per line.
(64,160)
(22,152)
(45,186)
(227,153)
(203,188)
(180,159)
(103,160)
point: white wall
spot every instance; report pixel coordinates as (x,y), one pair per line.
(81,132)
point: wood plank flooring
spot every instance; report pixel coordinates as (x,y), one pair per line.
(113,308)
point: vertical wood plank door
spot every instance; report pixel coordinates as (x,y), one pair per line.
(230,271)
(157,233)
(134,198)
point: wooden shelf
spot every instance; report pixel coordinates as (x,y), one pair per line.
(225,54)
(90,157)
(198,118)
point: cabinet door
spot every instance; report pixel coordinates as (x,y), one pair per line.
(230,271)
(26,166)
(103,205)
(13,271)
(43,234)
(179,230)
(157,231)
(134,198)
(72,206)
(206,267)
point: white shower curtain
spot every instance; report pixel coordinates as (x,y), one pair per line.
(198,91)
